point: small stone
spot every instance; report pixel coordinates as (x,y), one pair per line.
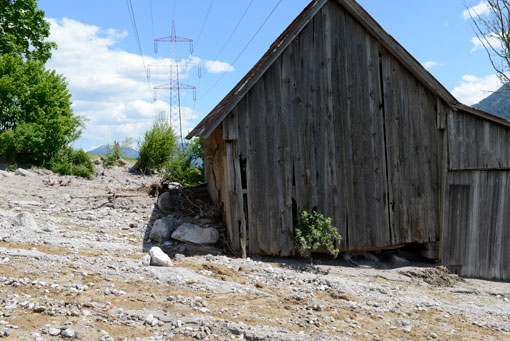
(162,229)
(164,202)
(159,258)
(154,322)
(78,336)
(39,309)
(146,260)
(8,332)
(22,172)
(433,335)
(149,318)
(68,332)
(398,261)
(179,256)
(25,220)
(53,331)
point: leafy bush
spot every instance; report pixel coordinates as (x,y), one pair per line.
(314,231)
(36,119)
(112,155)
(186,166)
(158,146)
(71,162)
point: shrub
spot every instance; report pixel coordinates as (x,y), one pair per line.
(71,162)
(186,166)
(112,155)
(36,119)
(314,231)
(158,146)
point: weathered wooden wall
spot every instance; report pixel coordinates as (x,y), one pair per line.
(477,213)
(477,143)
(475,241)
(338,125)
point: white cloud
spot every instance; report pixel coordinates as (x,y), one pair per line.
(490,39)
(108,85)
(472,89)
(477,10)
(215,66)
(429,65)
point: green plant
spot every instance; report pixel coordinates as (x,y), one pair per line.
(72,162)
(158,146)
(186,166)
(12,167)
(314,231)
(112,155)
(36,119)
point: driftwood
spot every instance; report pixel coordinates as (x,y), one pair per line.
(112,195)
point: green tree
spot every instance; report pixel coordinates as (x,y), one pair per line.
(158,146)
(36,119)
(23,30)
(186,165)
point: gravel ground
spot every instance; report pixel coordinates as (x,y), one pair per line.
(70,267)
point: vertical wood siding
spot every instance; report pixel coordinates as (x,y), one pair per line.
(475,143)
(475,242)
(338,125)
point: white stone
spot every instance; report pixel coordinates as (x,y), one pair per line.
(162,229)
(68,332)
(146,260)
(53,331)
(196,234)
(23,172)
(25,220)
(6,174)
(159,258)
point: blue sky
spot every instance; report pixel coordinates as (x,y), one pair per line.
(99,56)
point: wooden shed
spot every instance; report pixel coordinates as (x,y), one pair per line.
(338,117)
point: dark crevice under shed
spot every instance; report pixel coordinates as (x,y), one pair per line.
(339,117)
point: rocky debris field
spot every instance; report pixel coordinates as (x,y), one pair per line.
(76,255)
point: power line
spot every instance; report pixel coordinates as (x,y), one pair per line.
(244,48)
(135,29)
(234,30)
(152,20)
(203,24)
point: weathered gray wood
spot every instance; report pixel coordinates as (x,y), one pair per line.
(477,207)
(230,126)
(476,143)
(284,40)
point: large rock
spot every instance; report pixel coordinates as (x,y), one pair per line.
(164,203)
(162,229)
(23,172)
(159,258)
(6,174)
(25,220)
(196,234)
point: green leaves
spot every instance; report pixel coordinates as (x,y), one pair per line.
(36,119)
(23,30)
(314,231)
(158,145)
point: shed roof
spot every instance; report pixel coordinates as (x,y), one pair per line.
(217,115)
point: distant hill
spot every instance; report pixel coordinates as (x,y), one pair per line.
(498,103)
(126,152)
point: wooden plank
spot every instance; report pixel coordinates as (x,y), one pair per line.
(216,116)
(476,143)
(286,152)
(397,50)
(232,210)
(230,126)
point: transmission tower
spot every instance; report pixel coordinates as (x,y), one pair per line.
(174,86)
